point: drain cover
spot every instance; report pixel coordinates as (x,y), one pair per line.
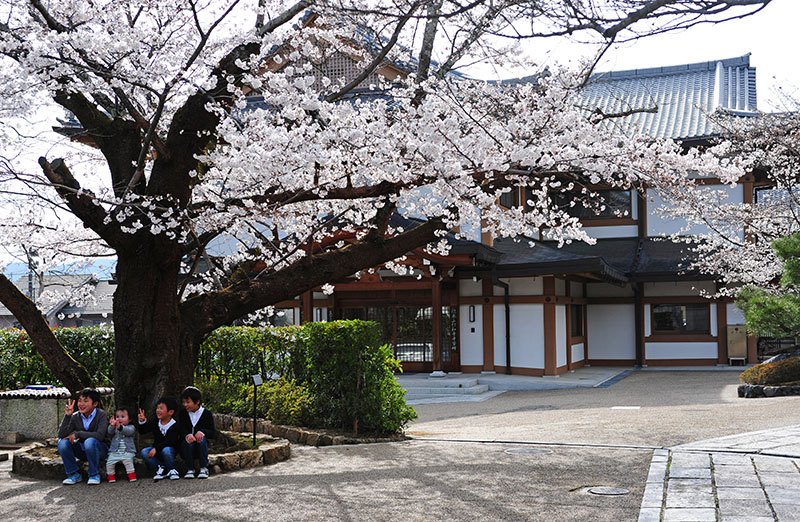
(528,451)
(605,490)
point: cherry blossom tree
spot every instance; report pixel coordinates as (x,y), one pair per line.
(305,181)
(752,248)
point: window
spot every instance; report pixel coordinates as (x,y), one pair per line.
(599,204)
(681,318)
(576,320)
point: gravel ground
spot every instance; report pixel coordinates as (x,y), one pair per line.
(446,480)
(675,408)
(408,481)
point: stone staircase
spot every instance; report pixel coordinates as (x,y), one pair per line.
(451,387)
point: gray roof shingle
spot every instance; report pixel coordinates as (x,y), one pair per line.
(682,95)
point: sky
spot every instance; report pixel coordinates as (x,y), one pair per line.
(771,35)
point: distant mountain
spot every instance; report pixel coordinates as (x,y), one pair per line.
(103,267)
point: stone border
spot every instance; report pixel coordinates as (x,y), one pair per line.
(758,390)
(294,434)
(44,468)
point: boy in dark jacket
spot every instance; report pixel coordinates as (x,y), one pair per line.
(161,455)
(197,426)
(82,434)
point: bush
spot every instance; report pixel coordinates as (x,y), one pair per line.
(786,371)
(351,377)
(280,401)
(20,365)
(233,354)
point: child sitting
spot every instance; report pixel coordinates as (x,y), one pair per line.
(82,434)
(122,448)
(161,455)
(197,426)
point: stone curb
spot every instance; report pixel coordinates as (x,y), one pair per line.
(294,434)
(758,390)
(44,468)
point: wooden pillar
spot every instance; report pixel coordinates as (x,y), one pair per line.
(722,332)
(549,325)
(307,307)
(568,320)
(436,317)
(752,349)
(488,325)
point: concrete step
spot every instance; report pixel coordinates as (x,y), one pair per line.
(438,383)
(472,390)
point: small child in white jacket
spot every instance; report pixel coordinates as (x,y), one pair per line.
(123,447)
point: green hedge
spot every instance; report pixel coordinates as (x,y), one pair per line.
(785,371)
(348,375)
(332,374)
(20,365)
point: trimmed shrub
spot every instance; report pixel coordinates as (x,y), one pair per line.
(280,401)
(351,377)
(786,371)
(20,365)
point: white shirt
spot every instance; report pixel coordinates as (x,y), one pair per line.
(194,416)
(165,427)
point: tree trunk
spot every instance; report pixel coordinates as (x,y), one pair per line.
(151,360)
(64,367)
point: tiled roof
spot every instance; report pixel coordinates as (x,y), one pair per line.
(681,95)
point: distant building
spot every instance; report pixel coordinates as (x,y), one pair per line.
(70,300)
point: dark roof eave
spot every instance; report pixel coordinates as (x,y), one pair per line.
(591,265)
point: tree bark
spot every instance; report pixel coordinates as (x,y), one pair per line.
(150,361)
(64,367)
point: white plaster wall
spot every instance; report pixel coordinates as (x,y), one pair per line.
(713,319)
(577,352)
(296,318)
(527,336)
(471,343)
(612,332)
(655,351)
(575,289)
(678,288)
(561,336)
(607,290)
(612,231)
(657,225)
(320,314)
(523,286)
(500,335)
(735,315)
(561,286)
(469,288)
(647,324)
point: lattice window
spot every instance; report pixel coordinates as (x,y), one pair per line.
(338,67)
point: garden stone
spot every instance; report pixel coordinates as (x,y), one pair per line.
(312,439)
(325,440)
(250,458)
(782,356)
(771,391)
(228,461)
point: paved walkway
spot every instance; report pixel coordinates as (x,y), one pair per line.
(750,477)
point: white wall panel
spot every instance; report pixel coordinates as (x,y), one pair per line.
(678,288)
(614,231)
(658,225)
(527,336)
(561,336)
(500,335)
(577,352)
(655,351)
(471,343)
(522,286)
(470,288)
(608,290)
(611,331)
(735,315)
(575,289)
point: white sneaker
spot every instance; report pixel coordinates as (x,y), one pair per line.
(160,473)
(203,474)
(189,474)
(173,474)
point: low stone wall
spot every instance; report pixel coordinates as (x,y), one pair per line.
(36,414)
(757,390)
(294,434)
(34,463)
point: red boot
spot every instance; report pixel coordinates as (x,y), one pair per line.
(132,477)
(112,478)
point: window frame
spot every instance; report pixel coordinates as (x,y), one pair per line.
(680,332)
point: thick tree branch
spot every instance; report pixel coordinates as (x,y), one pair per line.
(64,367)
(82,203)
(203,313)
